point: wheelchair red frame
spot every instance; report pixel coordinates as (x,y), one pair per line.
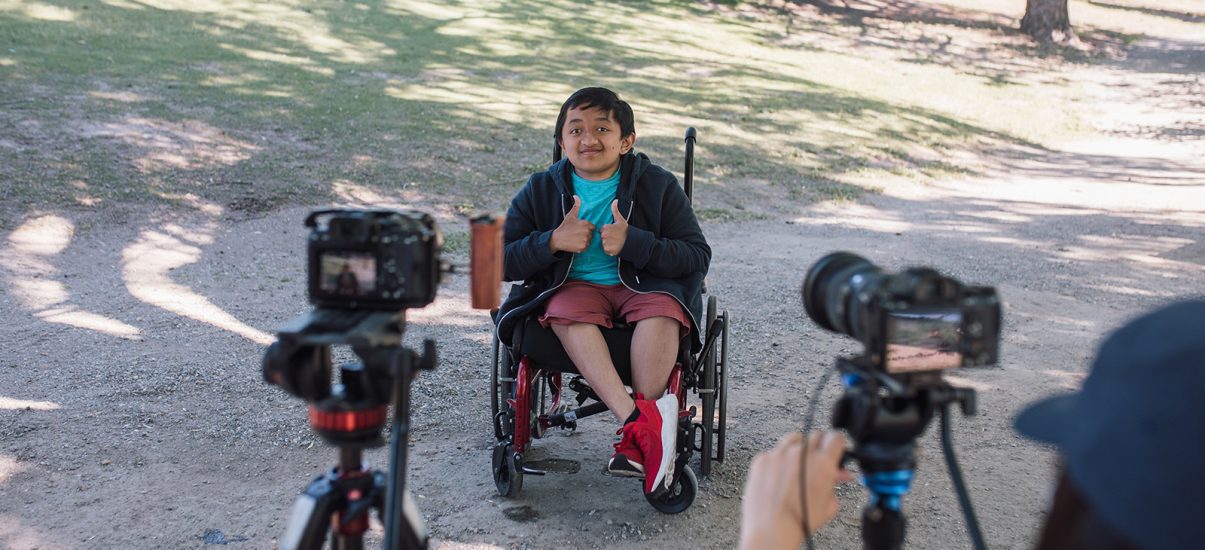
(528,400)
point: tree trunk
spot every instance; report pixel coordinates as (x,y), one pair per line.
(1047,20)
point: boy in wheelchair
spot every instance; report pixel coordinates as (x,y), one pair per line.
(606,236)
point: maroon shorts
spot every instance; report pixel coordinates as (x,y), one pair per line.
(583,302)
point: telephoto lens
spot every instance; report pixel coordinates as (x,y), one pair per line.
(837,290)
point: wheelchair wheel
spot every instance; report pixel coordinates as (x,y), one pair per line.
(508,476)
(709,393)
(539,405)
(494,391)
(722,391)
(680,495)
(501,390)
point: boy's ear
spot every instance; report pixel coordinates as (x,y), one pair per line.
(627,143)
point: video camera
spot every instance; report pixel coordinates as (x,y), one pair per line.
(914,324)
(366,268)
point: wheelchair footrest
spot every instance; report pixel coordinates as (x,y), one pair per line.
(552,465)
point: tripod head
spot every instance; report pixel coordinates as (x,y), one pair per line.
(351,412)
(884,413)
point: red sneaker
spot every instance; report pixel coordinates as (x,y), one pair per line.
(655,434)
(627,460)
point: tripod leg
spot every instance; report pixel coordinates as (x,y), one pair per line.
(404,527)
(882,527)
(310,518)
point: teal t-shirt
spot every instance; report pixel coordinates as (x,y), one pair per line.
(592,264)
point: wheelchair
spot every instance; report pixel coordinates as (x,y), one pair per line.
(528,392)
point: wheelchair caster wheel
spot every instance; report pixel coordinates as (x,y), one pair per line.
(508,475)
(680,495)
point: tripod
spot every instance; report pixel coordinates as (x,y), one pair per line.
(884,416)
(351,415)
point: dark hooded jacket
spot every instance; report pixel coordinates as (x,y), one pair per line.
(665,251)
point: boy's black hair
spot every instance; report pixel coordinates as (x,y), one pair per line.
(604,99)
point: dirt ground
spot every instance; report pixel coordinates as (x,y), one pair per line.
(132,413)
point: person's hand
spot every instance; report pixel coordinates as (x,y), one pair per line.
(616,233)
(771,510)
(574,233)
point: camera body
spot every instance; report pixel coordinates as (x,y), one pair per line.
(386,260)
(917,320)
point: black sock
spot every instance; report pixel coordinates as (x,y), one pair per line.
(632,417)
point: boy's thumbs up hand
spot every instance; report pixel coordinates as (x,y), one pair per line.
(574,234)
(616,233)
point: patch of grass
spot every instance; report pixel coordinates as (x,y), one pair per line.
(726,215)
(835,191)
(1129,39)
(465,209)
(943,169)
(456,242)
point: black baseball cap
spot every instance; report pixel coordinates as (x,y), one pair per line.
(1133,438)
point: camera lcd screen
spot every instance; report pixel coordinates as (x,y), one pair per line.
(923,341)
(348,274)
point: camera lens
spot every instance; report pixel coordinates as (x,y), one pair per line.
(836,289)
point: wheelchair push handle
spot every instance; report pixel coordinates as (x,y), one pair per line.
(688,175)
(486,260)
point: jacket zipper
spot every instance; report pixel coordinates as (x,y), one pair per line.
(619,271)
(684,308)
(631,209)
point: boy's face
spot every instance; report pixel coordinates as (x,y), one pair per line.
(591,141)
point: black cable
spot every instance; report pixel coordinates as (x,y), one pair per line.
(964,499)
(803,489)
(811,416)
(803,460)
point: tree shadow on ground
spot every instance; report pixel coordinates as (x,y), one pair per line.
(1165,55)
(1177,15)
(1102,169)
(858,12)
(988,44)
